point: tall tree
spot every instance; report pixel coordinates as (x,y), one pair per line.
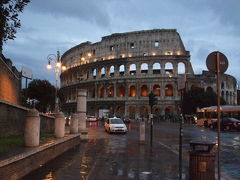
(198,98)
(9,21)
(43,92)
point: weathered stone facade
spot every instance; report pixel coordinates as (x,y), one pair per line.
(10,81)
(122,69)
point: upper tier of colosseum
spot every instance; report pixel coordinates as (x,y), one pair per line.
(156,42)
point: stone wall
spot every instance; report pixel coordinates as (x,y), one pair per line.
(10,81)
(12,120)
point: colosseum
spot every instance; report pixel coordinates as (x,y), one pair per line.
(121,70)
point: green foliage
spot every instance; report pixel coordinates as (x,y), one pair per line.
(44,92)
(198,98)
(7,143)
(9,21)
(12,142)
(45,136)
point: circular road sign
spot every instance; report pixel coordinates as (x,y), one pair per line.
(212,62)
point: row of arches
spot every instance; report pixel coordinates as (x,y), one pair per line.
(168,69)
(121,90)
(144,68)
(228,96)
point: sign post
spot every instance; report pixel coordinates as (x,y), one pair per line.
(26,73)
(217,63)
(152,101)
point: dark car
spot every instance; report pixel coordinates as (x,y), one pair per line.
(227,123)
(126,120)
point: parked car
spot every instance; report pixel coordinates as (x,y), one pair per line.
(91,118)
(126,120)
(115,125)
(227,123)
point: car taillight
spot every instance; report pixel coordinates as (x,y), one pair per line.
(234,124)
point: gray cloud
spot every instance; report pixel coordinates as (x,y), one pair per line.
(51,25)
(87,10)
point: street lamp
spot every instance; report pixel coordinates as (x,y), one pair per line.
(58,66)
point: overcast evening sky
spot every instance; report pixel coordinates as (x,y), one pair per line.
(51,25)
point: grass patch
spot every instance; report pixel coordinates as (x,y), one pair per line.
(10,142)
(46,135)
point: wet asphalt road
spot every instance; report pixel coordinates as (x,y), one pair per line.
(120,156)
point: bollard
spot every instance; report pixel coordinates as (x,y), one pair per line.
(201,163)
(59,122)
(142,132)
(74,124)
(32,128)
(81,109)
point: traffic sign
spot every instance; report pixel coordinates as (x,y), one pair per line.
(212,62)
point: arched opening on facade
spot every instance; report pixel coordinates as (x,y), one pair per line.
(112,71)
(156,90)
(121,70)
(181,68)
(156,113)
(144,68)
(120,111)
(91,92)
(86,73)
(100,91)
(222,85)
(103,72)
(230,98)
(132,111)
(209,89)
(94,72)
(111,111)
(143,112)
(169,69)
(110,91)
(168,111)
(195,86)
(132,69)
(121,90)
(144,90)
(132,91)
(156,68)
(155,109)
(222,95)
(168,90)
(227,97)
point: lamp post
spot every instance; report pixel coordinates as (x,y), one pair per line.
(58,66)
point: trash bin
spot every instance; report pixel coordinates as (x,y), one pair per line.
(202,158)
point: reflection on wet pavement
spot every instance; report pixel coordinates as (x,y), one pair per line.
(120,156)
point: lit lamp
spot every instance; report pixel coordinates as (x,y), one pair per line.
(58,66)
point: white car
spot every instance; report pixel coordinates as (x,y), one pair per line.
(115,125)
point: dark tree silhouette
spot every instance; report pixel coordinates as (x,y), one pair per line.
(198,98)
(9,22)
(44,92)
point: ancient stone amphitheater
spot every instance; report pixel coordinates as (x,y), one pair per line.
(122,69)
